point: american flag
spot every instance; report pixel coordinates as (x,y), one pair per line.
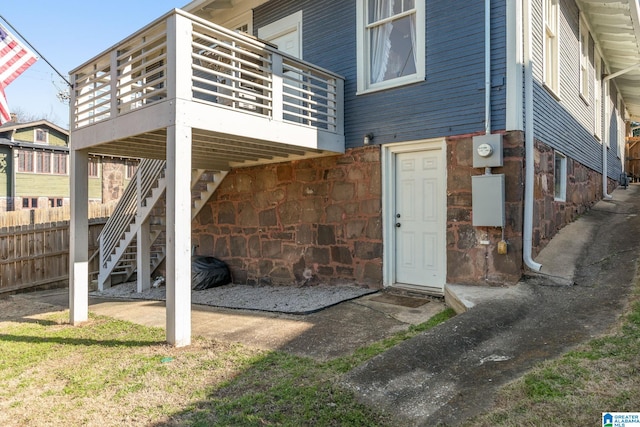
(14,60)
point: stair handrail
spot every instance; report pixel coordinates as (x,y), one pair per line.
(148,171)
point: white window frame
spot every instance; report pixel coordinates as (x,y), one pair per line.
(363,51)
(597,96)
(130,168)
(35,136)
(551,54)
(94,167)
(584,60)
(560,182)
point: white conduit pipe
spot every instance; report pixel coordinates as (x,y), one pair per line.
(487,66)
(529,145)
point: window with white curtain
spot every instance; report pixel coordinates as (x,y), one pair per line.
(391,48)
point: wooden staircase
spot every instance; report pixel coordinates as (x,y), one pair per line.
(137,226)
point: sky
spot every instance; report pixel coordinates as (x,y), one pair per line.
(68,33)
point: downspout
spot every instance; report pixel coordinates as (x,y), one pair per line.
(487,66)
(529,143)
(606,139)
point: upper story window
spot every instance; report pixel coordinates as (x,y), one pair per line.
(94,167)
(41,136)
(130,169)
(25,161)
(551,45)
(60,164)
(584,60)
(597,96)
(391,47)
(43,162)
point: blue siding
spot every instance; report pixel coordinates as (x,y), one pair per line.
(451,99)
(567,124)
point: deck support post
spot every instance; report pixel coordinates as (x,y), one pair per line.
(178,281)
(79,238)
(143,244)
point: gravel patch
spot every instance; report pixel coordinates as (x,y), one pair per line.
(278,299)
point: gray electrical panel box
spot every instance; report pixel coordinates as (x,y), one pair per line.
(487,151)
(487,197)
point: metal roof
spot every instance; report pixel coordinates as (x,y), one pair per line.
(615,26)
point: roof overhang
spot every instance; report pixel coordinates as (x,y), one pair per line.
(615,26)
(219,11)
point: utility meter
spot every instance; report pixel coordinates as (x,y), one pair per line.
(485,150)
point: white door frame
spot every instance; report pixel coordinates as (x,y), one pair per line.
(283,26)
(388,202)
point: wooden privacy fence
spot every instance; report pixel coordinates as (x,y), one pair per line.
(37,255)
(51,215)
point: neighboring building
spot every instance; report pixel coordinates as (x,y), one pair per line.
(34,168)
(633,158)
(415,146)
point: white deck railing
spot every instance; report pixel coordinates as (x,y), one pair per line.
(227,70)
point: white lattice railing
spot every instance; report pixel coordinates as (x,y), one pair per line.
(148,173)
(228,70)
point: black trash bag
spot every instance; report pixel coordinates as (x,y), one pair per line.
(208,272)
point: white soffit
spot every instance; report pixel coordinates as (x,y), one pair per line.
(615,27)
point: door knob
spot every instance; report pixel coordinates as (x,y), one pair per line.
(398,224)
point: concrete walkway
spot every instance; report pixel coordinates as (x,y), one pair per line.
(451,373)
(335,331)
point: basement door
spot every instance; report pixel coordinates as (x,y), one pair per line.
(285,33)
(416,217)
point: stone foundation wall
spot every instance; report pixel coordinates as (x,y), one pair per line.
(302,222)
(469,259)
(584,188)
(319,220)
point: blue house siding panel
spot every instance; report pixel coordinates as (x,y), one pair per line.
(567,124)
(451,99)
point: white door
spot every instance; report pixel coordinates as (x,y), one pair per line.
(285,33)
(419,219)
(288,42)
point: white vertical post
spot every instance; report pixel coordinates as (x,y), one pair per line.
(143,243)
(79,238)
(277,88)
(113,76)
(178,192)
(179,72)
(339,106)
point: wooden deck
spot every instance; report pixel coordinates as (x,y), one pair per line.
(244,101)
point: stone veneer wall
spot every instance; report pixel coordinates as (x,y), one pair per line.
(468,260)
(584,188)
(319,220)
(113,180)
(308,221)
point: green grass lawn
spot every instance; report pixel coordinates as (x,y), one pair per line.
(602,375)
(110,372)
